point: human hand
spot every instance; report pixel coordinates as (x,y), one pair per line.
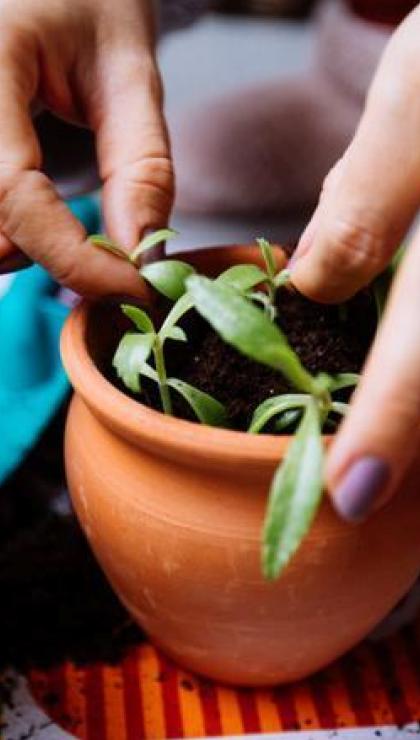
(368,202)
(91,62)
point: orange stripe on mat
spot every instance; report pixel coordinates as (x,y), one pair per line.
(114,703)
(192,710)
(150,685)
(148,698)
(230,715)
(267,712)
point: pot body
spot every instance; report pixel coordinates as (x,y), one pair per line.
(175,522)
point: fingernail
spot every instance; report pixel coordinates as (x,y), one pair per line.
(292,261)
(360,488)
(300,251)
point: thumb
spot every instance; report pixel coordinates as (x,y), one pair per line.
(133,149)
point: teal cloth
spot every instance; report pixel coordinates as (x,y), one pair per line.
(33,383)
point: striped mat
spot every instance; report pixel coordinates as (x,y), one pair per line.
(147,696)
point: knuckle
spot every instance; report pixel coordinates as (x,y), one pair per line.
(355,247)
(67,272)
(9,183)
(154,175)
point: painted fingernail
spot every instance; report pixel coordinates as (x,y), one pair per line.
(360,488)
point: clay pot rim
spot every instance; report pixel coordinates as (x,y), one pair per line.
(147,427)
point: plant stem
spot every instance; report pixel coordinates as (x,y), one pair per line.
(163,380)
(272,298)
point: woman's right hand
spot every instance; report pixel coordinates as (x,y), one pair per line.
(368,203)
(91,62)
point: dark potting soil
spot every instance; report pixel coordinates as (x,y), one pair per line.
(331,339)
(55,602)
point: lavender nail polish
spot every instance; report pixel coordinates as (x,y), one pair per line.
(360,488)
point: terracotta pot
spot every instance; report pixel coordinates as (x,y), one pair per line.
(173,511)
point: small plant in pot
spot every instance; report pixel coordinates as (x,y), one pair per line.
(230,346)
(240,305)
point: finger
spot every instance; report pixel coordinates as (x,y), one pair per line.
(382,431)
(306,240)
(133,148)
(32,216)
(366,213)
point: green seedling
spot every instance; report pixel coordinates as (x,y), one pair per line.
(296,488)
(273,279)
(131,364)
(230,304)
(148,242)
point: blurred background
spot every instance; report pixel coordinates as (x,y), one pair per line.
(240,43)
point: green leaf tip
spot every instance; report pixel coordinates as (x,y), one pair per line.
(168,277)
(150,241)
(139,318)
(274,406)
(132,353)
(206,408)
(102,241)
(295,495)
(242,277)
(268,256)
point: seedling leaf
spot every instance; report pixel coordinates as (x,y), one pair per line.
(139,318)
(267,253)
(132,353)
(295,495)
(340,408)
(273,407)
(149,372)
(242,277)
(177,334)
(248,329)
(207,409)
(102,241)
(184,304)
(282,278)
(258,296)
(287,419)
(343,380)
(150,241)
(168,277)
